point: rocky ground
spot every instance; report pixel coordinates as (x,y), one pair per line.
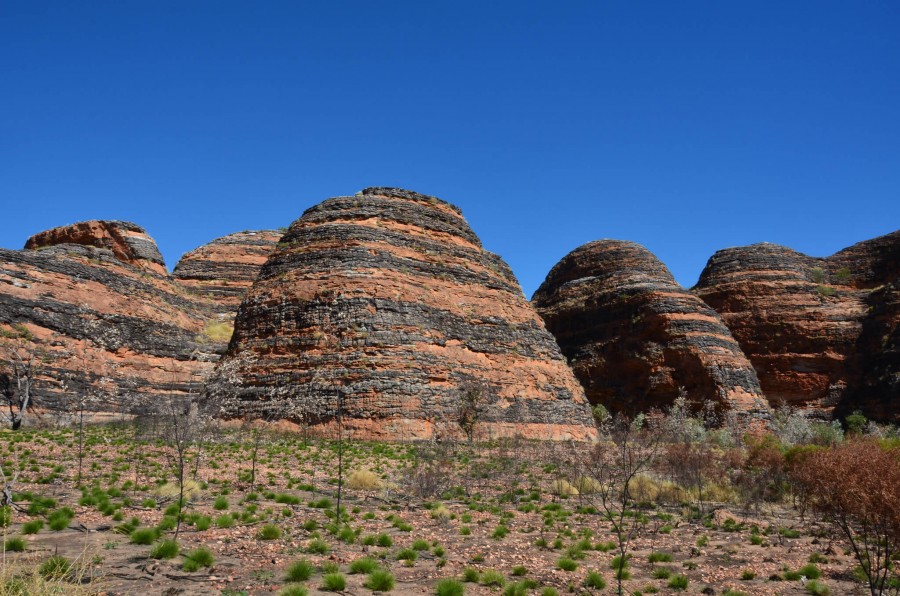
(423,512)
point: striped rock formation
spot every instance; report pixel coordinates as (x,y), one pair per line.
(224,269)
(636,339)
(95,301)
(386,304)
(820,332)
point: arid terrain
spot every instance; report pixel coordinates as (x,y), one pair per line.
(501,517)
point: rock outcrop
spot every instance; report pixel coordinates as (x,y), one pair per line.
(95,302)
(821,332)
(224,269)
(636,339)
(386,305)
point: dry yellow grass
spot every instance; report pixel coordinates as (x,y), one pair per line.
(170,489)
(563,488)
(364,480)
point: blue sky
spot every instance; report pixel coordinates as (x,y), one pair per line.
(684,126)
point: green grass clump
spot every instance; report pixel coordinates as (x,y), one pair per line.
(384,540)
(810,571)
(660,557)
(299,571)
(449,587)
(407,554)
(317,546)
(748,575)
(143,536)
(165,549)
(221,503)
(678,582)
(334,582)
(817,588)
(500,533)
(420,545)
(661,573)
(224,521)
(293,591)
(519,570)
(202,523)
(380,580)
(566,564)
(197,558)
(32,527)
(470,575)
(55,568)
(492,577)
(363,565)
(269,532)
(15,544)
(594,580)
(59,519)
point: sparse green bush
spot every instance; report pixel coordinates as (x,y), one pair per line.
(166,549)
(197,558)
(449,587)
(594,580)
(678,582)
(299,571)
(334,582)
(380,580)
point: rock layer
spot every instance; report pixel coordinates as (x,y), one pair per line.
(95,302)
(636,339)
(224,269)
(818,330)
(386,304)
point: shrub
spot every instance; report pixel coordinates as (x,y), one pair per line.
(269,532)
(859,497)
(334,582)
(166,549)
(594,580)
(299,571)
(380,580)
(678,582)
(449,587)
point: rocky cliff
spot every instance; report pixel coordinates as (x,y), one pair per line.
(224,269)
(384,307)
(636,339)
(821,332)
(95,302)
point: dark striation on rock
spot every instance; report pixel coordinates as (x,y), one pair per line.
(636,339)
(386,302)
(96,303)
(225,268)
(817,330)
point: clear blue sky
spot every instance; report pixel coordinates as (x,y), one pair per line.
(684,126)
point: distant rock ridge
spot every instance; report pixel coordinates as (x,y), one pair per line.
(636,339)
(224,269)
(386,303)
(820,332)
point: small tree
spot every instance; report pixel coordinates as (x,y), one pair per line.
(20,363)
(856,487)
(472,397)
(614,467)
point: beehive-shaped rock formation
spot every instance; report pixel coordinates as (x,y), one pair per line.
(821,332)
(386,303)
(636,339)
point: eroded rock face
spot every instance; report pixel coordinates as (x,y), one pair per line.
(386,302)
(224,269)
(128,242)
(819,331)
(105,316)
(635,338)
